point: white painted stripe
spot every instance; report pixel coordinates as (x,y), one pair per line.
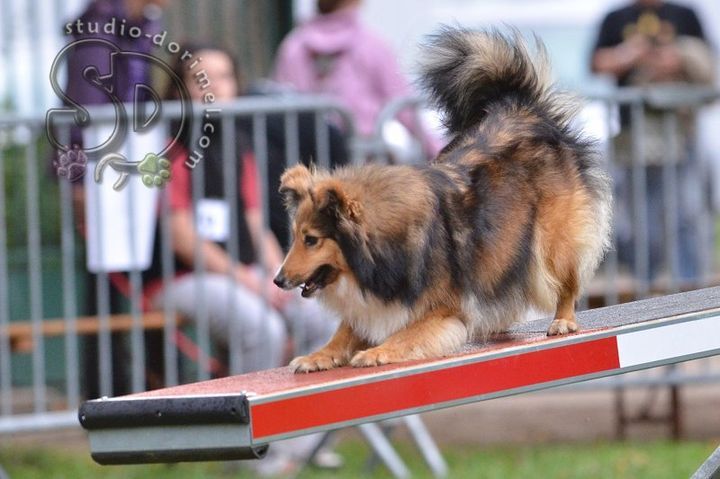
(681,339)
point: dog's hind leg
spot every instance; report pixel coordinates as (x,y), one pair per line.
(436,335)
(564,321)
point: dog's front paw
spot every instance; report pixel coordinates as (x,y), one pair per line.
(318,361)
(376,357)
(562,326)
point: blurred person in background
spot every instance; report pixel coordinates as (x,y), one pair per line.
(143,14)
(261,327)
(252,319)
(147,16)
(652,42)
(307,150)
(334,53)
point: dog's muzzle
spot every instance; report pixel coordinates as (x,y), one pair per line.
(281,281)
(322,276)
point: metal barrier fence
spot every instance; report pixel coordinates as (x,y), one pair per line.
(42,258)
(674,173)
(666,208)
(49,213)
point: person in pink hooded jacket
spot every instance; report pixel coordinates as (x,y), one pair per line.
(335,54)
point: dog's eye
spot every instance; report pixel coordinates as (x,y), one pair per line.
(311,240)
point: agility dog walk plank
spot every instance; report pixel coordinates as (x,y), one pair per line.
(236,417)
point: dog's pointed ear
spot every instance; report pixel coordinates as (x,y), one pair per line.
(295,185)
(333,200)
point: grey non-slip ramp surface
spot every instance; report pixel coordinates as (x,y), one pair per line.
(636,312)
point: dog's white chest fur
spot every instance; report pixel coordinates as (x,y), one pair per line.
(370,318)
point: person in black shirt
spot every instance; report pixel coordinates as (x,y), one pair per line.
(652,42)
(644,43)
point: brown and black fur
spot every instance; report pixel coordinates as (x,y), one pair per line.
(513,214)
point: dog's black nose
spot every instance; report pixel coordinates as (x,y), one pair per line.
(280,281)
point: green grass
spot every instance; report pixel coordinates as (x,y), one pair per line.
(654,460)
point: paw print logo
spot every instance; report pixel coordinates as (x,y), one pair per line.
(155,170)
(71,164)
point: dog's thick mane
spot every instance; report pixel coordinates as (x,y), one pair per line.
(382,246)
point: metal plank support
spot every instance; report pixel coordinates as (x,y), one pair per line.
(427,446)
(419,433)
(380,444)
(710,469)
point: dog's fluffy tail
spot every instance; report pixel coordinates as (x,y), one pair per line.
(467,71)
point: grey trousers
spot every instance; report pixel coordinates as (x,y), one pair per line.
(254,333)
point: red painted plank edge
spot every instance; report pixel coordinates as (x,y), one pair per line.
(328,407)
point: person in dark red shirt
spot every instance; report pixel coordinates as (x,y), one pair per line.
(236,311)
(260,326)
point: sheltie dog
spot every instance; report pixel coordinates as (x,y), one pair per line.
(513,214)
